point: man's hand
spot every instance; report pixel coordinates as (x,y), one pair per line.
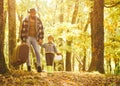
(40,41)
(58,53)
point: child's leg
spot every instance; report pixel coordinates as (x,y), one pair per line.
(47,57)
(49,69)
(49,62)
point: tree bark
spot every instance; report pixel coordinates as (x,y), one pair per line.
(20,17)
(3,66)
(84,60)
(68,58)
(61,16)
(75,12)
(97,30)
(73,62)
(112,5)
(12,27)
(68,54)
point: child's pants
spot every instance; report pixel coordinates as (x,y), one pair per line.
(49,59)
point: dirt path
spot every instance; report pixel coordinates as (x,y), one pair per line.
(22,78)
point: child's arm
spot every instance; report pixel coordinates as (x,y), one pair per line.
(55,49)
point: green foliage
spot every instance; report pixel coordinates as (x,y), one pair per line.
(69,32)
(112,37)
(49,12)
(112,49)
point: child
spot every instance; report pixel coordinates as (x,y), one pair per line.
(50,50)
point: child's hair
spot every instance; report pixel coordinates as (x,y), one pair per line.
(50,36)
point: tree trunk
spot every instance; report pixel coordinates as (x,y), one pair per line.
(68,58)
(84,49)
(20,17)
(61,12)
(73,61)
(3,66)
(12,27)
(68,54)
(84,60)
(109,67)
(74,17)
(97,31)
(54,14)
(86,26)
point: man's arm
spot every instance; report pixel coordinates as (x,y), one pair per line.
(40,32)
(24,30)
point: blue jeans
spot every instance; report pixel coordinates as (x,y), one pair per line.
(33,42)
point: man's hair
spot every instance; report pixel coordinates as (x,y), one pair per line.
(32,10)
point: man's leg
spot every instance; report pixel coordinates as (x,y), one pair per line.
(37,53)
(28,60)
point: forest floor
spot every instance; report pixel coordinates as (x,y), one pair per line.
(24,78)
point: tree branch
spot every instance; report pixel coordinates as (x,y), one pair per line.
(113,5)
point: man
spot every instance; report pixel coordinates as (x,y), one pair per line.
(32,32)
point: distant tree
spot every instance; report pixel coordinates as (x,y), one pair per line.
(74,17)
(68,53)
(112,43)
(20,17)
(97,31)
(3,67)
(12,26)
(61,16)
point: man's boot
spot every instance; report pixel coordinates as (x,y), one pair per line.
(39,69)
(29,68)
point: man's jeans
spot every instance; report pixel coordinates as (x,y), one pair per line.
(33,42)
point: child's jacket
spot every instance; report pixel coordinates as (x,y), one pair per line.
(49,48)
